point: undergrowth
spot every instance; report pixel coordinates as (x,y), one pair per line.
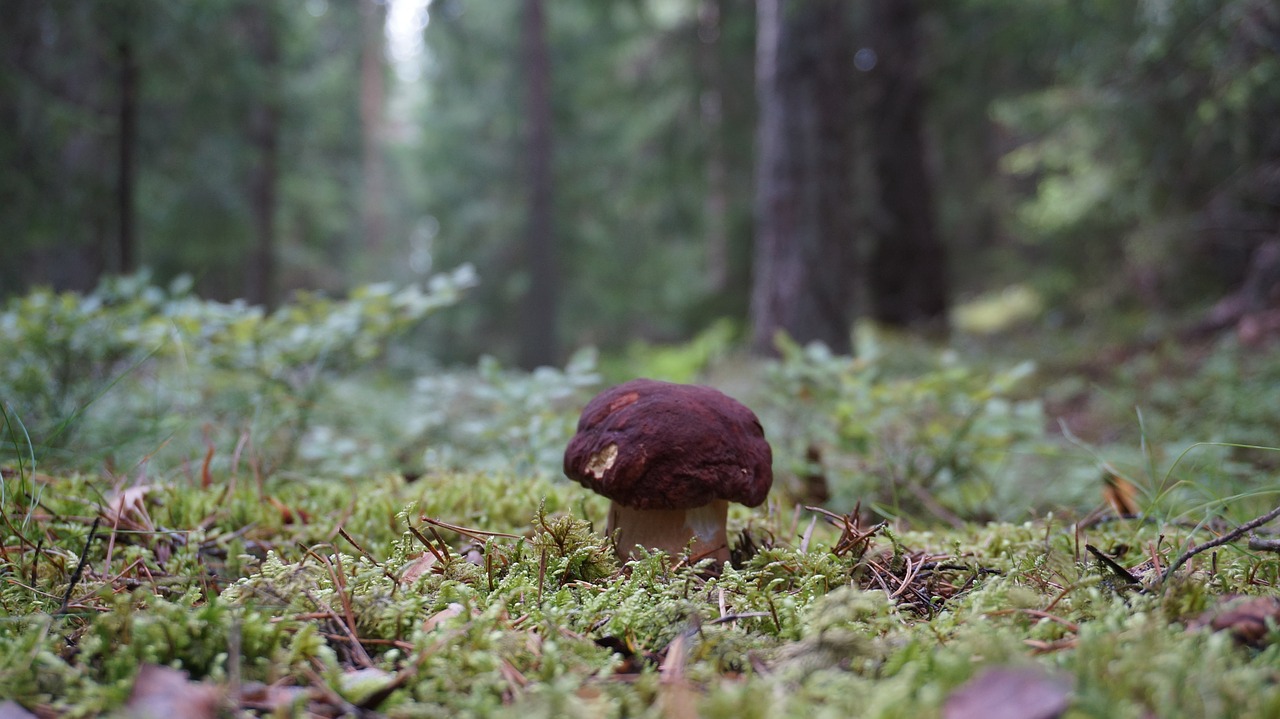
(487,595)
(300,535)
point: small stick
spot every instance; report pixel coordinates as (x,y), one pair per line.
(477,534)
(1258,544)
(79,572)
(430,547)
(1111,564)
(343,533)
(1231,536)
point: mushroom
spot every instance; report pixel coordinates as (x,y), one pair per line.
(670,457)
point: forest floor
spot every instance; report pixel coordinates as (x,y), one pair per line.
(221,592)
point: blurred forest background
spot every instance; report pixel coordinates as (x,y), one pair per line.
(641,169)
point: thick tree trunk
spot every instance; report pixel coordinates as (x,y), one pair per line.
(373,214)
(712,106)
(538,341)
(805,258)
(126,248)
(264,136)
(908,277)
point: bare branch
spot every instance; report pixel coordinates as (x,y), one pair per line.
(1231,536)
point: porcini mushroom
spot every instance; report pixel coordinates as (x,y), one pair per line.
(670,457)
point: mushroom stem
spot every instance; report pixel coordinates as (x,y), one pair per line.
(671,530)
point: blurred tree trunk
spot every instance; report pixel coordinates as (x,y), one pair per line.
(538,341)
(805,258)
(712,107)
(127,242)
(264,138)
(373,215)
(908,273)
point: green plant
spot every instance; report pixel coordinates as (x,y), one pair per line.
(934,441)
(494,419)
(192,367)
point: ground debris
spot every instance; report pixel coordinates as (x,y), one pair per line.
(1250,620)
(164,693)
(14,710)
(1009,693)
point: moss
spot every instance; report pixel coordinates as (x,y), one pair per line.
(542,620)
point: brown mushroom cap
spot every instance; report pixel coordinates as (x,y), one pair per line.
(657,445)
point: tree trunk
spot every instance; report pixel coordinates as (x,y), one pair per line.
(908,277)
(712,106)
(126,247)
(264,136)
(373,215)
(538,341)
(805,257)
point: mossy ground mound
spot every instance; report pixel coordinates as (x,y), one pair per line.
(486,595)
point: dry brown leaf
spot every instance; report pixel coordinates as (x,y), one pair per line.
(1121,495)
(1246,618)
(164,693)
(449,612)
(129,506)
(417,568)
(14,710)
(1009,693)
(274,698)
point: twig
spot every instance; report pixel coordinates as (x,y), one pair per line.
(1231,536)
(735,617)
(79,572)
(343,533)
(1111,564)
(1259,544)
(476,534)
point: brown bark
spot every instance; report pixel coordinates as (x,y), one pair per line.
(712,105)
(264,136)
(908,273)
(126,239)
(538,340)
(373,95)
(805,257)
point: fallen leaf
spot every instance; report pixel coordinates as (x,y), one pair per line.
(416,568)
(165,693)
(14,710)
(1009,693)
(127,505)
(274,698)
(1121,495)
(449,612)
(1248,619)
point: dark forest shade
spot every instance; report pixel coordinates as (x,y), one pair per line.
(264,136)
(538,342)
(908,272)
(805,260)
(127,247)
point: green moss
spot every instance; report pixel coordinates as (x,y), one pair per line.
(543,620)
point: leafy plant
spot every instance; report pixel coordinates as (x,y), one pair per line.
(494,419)
(936,441)
(189,364)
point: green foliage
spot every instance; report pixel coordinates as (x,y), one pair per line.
(548,623)
(186,361)
(887,438)
(1116,185)
(496,419)
(634,140)
(682,362)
